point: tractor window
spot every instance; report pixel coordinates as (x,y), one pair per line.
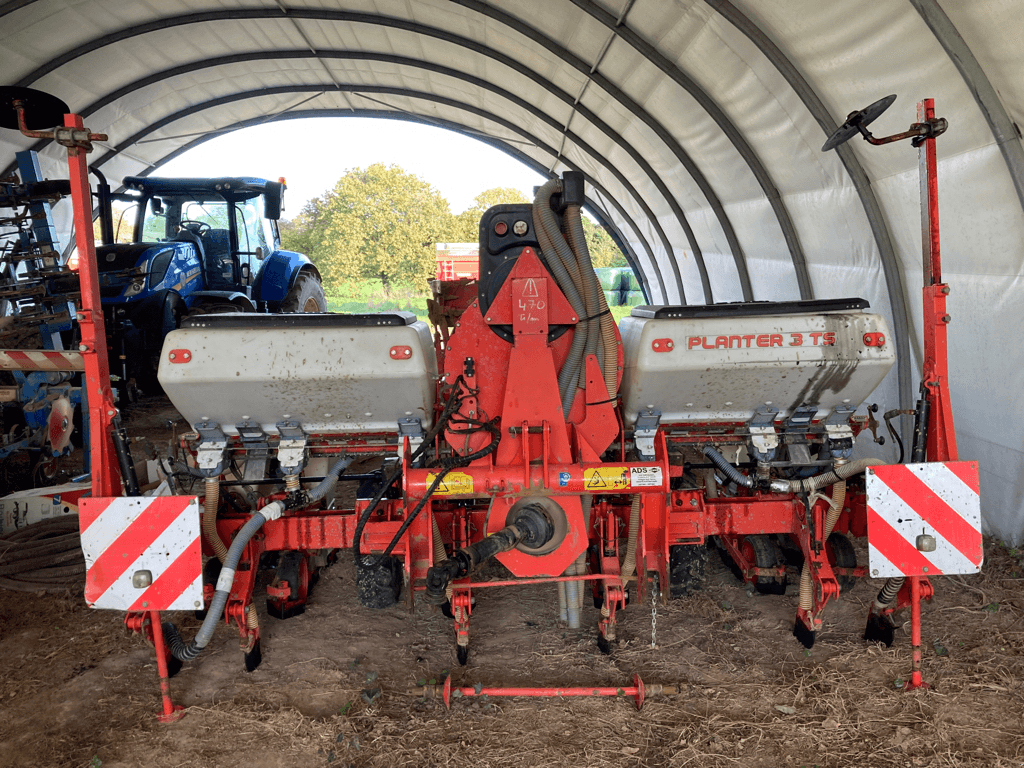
(164,217)
(155,225)
(249,223)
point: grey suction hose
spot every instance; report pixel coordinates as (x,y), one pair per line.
(186,652)
(325,486)
(608,357)
(559,255)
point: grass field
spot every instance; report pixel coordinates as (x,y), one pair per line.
(368,297)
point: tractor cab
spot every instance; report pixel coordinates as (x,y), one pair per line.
(198,246)
(226,220)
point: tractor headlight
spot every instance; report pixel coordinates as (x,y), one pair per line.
(137,285)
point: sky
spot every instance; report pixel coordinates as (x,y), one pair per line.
(312,154)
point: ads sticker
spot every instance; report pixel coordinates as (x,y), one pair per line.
(640,477)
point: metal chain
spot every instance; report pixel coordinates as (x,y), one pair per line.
(654,615)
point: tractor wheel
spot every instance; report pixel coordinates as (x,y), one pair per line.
(687,569)
(307,295)
(841,555)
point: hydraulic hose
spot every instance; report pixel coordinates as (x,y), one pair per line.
(728,469)
(211,501)
(188,651)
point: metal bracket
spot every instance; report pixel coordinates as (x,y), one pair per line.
(212,445)
(412,428)
(763,437)
(643,433)
(291,448)
(256,447)
(839,432)
(801,418)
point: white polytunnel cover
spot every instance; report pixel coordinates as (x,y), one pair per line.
(698,125)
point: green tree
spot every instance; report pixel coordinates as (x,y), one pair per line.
(380,222)
(603,250)
(466,228)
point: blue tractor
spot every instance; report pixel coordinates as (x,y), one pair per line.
(200,246)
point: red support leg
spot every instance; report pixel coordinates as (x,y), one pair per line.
(172,712)
(915,635)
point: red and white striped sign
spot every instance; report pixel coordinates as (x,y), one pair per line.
(40,360)
(124,538)
(924,519)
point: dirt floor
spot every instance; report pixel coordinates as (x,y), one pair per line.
(336,684)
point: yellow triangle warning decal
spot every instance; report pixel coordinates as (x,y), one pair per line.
(596,481)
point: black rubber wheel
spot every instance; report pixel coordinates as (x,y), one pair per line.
(379,581)
(462,652)
(764,552)
(307,295)
(841,555)
(687,569)
(292,567)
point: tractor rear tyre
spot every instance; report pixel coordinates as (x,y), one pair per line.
(307,295)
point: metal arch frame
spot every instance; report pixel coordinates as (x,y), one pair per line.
(322,54)
(495,143)
(861,182)
(450,125)
(736,138)
(659,130)
(991,106)
(417,28)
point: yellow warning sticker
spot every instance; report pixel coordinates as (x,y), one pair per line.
(606,479)
(451,484)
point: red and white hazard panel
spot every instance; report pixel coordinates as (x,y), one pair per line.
(142,553)
(924,519)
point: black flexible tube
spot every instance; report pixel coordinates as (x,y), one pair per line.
(730,471)
(329,481)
